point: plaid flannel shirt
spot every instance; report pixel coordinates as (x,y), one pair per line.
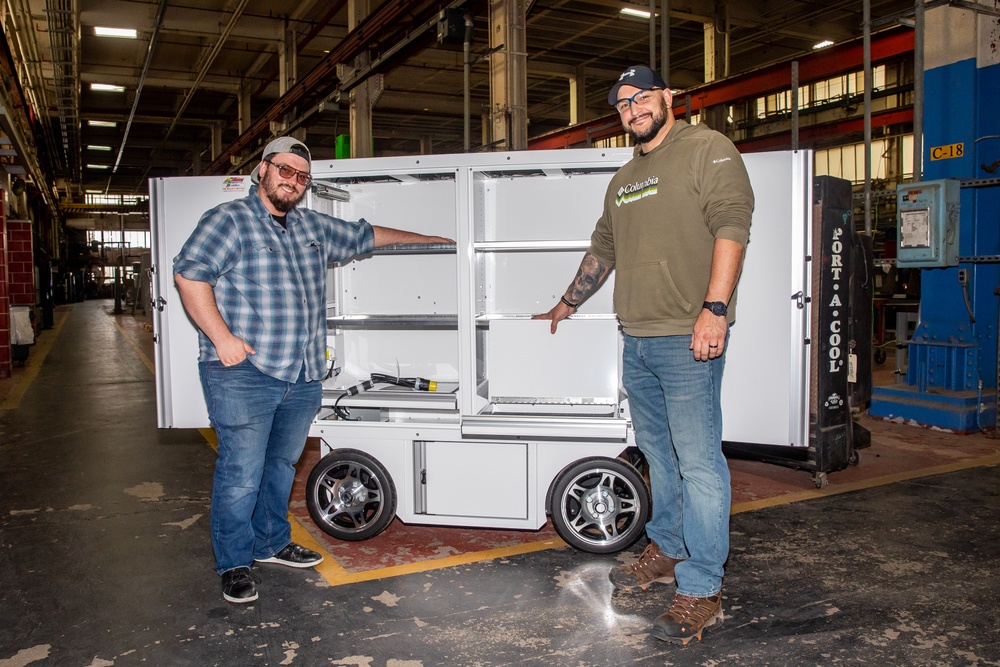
(269,281)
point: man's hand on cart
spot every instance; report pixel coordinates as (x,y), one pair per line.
(559,312)
(591,275)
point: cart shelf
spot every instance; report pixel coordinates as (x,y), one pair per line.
(395,321)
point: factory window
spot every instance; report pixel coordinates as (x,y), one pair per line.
(617,141)
(781,103)
(133,239)
(820,92)
(892,160)
(114,200)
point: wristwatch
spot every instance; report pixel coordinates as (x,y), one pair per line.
(716,307)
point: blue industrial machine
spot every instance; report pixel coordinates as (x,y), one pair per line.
(949,227)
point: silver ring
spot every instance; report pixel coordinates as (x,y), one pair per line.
(712,347)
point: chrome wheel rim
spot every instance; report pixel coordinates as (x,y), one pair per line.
(600,506)
(350,496)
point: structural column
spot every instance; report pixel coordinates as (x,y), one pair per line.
(577,98)
(287,62)
(362,97)
(508,75)
(716,61)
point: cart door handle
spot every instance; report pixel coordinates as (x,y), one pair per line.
(800,299)
(160,303)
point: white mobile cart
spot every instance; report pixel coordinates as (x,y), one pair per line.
(523,424)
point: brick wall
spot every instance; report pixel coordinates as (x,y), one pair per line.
(20,264)
(4,301)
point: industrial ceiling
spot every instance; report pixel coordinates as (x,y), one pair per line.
(192,62)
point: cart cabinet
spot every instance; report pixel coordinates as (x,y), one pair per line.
(445,402)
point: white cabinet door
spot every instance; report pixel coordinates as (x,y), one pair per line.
(764,389)
(176,205)
(477,480)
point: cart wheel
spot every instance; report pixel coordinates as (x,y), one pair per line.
(635,456)
(855,458)
(879,356)
(350,495)
(820,480)
(599,505)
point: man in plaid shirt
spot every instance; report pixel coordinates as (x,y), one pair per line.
(252,277)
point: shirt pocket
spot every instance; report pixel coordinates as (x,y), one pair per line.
(261,267)
(314,259)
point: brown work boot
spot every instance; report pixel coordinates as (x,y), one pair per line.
(651,567)
(687,618)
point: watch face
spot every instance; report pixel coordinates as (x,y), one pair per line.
(716,307)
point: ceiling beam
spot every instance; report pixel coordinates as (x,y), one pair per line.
(846,57)
(812,134)
(319,81)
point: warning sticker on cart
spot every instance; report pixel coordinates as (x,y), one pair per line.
(234,184)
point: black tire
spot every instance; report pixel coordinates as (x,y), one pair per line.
(599,505)
(350,495)
(879,356)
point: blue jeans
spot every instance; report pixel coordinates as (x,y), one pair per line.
(674,403)
(262,424)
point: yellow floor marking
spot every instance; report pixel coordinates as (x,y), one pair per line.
(451,561)
(210,437)
(41,350)
(329,569)
(135,346)
(991,460)
(336,575)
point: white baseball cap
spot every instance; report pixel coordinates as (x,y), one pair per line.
(282,145)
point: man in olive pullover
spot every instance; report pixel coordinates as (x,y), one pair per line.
(675,226)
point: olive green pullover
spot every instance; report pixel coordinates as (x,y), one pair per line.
(662,213)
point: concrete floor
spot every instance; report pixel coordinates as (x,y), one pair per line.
(105,558)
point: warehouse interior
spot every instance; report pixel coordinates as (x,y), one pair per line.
(104,550)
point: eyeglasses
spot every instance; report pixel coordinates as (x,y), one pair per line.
(301,177)
(642,98)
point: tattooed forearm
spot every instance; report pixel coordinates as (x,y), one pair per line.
(589,277)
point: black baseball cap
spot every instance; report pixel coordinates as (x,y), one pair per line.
(638,76)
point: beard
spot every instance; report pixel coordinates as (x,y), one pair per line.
(280,198)
(657,120)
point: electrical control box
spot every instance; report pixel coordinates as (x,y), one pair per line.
(927,217)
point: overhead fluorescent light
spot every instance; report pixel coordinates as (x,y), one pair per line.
(822,45)
(107,87)
(102,123)
(93,192)
(91,147)
(98,166)
(637,13)
(124,33)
